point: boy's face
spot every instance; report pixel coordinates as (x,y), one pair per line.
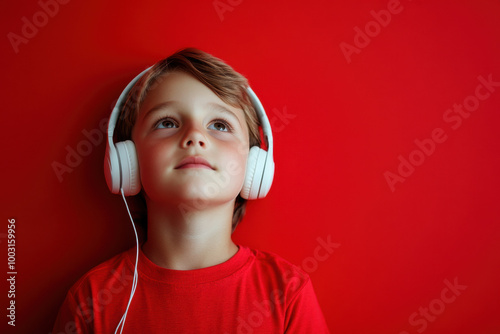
(182,119)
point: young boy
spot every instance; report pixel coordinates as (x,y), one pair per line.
(192,124)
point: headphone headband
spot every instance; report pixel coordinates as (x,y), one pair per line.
(119,103)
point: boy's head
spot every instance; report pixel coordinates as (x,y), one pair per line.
(150,123)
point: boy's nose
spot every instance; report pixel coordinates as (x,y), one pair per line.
(193,138)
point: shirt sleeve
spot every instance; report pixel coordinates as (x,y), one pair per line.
(69,319)
(304,314)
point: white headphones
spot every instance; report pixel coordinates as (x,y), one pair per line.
(121,166)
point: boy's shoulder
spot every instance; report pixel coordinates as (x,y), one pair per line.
(273,266)
(114,273)
(272,259)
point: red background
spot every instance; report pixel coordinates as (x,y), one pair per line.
(348,123)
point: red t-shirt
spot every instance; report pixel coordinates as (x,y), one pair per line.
(252,292)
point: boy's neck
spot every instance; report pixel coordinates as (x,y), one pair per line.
(186,241)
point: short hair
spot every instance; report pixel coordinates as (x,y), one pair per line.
(220,78)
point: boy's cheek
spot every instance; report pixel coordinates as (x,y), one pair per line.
(243,148)
(235,168)
(234,159)
(152,164)
(238,148)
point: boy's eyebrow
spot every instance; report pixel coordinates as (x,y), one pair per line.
(219,107)
(163,105)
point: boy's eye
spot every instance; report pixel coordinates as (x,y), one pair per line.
(220,125)
(166,123)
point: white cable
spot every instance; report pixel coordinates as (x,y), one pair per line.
(121,324)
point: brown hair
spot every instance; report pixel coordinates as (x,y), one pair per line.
(223,80)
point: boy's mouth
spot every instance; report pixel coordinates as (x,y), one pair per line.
(194,162)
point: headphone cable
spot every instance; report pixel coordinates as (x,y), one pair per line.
(121,324)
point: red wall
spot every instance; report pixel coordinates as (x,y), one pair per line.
(373,155)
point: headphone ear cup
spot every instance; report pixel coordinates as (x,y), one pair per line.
(112,169)
(129,167)
(255,168)
(267,177)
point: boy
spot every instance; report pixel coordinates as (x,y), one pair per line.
(192,125)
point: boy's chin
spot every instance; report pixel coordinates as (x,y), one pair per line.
(194,198)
